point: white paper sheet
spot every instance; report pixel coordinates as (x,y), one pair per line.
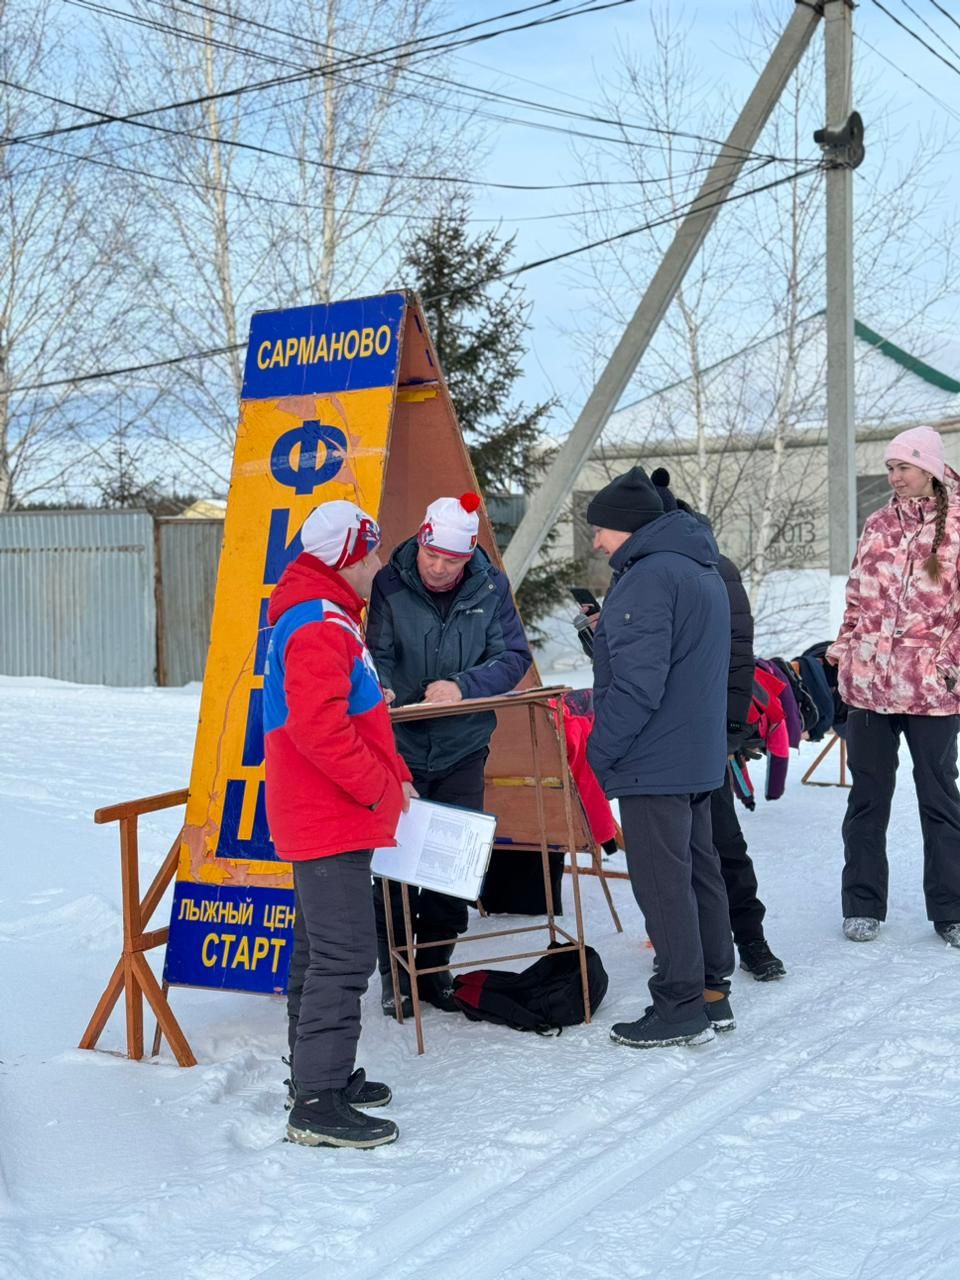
(439,846)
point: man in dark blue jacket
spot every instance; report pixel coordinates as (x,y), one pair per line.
(736,865)
(442,626)
(659,746)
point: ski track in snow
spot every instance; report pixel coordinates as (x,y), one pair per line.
(819,1139)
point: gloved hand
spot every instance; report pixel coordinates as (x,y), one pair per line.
(736,733)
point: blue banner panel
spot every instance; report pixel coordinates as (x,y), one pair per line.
(343,346)
(234,938)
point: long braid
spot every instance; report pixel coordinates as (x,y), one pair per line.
(932,562)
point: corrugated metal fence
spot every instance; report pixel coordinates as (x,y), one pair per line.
(106,597)
(188,552)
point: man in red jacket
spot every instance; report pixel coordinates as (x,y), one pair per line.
(335,790)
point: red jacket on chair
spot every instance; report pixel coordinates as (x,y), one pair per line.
(577,723)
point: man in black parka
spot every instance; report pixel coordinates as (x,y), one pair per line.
(442,626)
(661,660)
(739,875)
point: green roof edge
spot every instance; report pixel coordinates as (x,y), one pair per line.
(887,348)
(907,361)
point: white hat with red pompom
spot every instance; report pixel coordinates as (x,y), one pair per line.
(451,525)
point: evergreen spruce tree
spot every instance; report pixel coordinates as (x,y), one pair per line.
(478,326)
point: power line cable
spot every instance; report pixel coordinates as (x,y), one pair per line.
(212,352)
(471,90)
(946,13)
(258,149)
(403,66)
(466,88)
(951,111)
(137,117)
(258,198)
(910,32)
(936,34)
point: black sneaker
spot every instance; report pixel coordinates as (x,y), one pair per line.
(758,959)
(327,1119)
(360,1092)
(651,1032)
(720,1014)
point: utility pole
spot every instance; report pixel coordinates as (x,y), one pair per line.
(841,408)
(546,504)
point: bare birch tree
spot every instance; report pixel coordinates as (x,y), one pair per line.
(64,243)
(287,217)
(741,351)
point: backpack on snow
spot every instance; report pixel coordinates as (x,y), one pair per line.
(544,998)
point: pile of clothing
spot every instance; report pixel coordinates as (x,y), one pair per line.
(792,702)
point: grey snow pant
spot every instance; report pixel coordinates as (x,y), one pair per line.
(335,952)
(675,874)
(873,746)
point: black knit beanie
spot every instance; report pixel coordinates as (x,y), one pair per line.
(626,503)
(661,478)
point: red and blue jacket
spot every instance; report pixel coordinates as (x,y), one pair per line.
(334,778)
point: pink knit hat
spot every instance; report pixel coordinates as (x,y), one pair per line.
(920,446)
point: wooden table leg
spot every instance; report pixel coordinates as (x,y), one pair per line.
(412,965)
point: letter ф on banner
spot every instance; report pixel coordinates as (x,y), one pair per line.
(315,419)
(322,452)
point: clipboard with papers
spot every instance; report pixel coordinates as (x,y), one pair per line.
(441,847)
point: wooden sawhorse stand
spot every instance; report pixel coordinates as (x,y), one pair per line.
(133,975)
(405,956)
(832,741)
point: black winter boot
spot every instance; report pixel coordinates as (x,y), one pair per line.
(757,958)
(388,1003)
(437,988)
(328,1119)
(360,1091)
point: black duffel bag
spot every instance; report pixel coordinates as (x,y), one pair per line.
(544,998)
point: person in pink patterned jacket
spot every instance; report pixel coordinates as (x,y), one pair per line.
(898,662)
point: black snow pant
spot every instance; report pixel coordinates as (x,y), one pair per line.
(675,874)
(739,877)
(334,954)
(435,915)
(873,742)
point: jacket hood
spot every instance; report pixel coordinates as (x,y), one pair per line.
(674,531)
(404,560)
(308,578)
(916,506)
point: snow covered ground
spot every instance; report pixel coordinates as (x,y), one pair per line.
(820,1139)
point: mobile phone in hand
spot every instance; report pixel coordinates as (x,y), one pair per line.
(586,599)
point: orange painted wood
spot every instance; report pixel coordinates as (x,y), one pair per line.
(147,804)
(158,887)
(161,1007)
(154,938)
(104,1009)
(134,1001)
(130,881)
(133,976)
